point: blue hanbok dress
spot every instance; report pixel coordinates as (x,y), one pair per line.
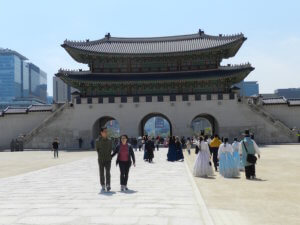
(171,152)
(227,166)
(236,156)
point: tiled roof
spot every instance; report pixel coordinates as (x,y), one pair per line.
(176,75)
(171,44)
(294,102)
(17,110)
(271,101)
(36,108)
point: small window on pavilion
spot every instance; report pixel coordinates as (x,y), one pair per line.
(148,98)
(89,100)
(78,100)
(100,100)
(220,96)
(111,99)
(185,97)
(160,98)
(136,99)
(208,97)
(123,99)
(198,97)
(172,98)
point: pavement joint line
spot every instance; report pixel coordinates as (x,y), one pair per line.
(204,211)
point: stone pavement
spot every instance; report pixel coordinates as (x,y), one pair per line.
(160,193)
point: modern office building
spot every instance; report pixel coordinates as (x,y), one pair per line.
(20,80)
(288,93)
(248,88)
(61,91)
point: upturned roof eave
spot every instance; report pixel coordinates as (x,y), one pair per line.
(73,51)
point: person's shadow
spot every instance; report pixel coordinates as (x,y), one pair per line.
(258,179)
(128,192)
(107,193)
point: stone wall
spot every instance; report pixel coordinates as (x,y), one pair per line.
(13,125)
(231,117)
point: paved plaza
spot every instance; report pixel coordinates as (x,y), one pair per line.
(160,193)
(66,191)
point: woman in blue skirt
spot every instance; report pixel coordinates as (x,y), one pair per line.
(236,155)
(227,165)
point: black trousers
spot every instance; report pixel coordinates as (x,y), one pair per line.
(250,171)
(124,171)
(157,147)
(214,152)
(104,166)
(55,153)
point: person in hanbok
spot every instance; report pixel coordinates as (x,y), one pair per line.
(178,146)
(227,167)
(249,147)
(203,166)
(144,149)
(236,154)
(171,156)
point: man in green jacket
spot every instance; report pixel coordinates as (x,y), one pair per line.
(104,148)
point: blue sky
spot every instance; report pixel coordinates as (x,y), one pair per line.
(36,28)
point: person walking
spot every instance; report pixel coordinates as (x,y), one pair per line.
(227,166)
(149,149)
(55,145)
(104,148)
(248,150)
(203,165)
(157,143)
(188,145)
(214,146)
(124,160)
(140,143)
(171,156)
(178,146)
(236,154)
(80,141)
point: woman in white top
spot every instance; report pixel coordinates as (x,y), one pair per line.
(202,167)
(227,166)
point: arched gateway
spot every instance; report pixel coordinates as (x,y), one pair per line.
(176,76)
(155,124)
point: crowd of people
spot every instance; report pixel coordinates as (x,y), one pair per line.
(213,154)
(228,159)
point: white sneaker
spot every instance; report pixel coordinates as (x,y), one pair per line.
(103,188)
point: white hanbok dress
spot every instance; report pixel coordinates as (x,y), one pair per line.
(227,166)
(202,167)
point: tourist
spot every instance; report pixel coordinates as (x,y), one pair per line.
(248,149)
(236,154)
(143,147)
(227,166)
(183,142)
(149,149)
(188,145)
(92,144)
(55,145)
(171,156)
(157,143)
(178,146)
(80,141)
(134,143)
(12,145)
(124,159)
(214,146)
(140,143)
(203,166)
(104,147)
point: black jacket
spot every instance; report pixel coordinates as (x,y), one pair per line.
(131,153)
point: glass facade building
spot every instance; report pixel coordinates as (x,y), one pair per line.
(20,79)
(248,88)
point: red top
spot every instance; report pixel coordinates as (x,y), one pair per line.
(124,153)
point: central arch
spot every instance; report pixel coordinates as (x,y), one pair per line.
(204,124)
(161,120)
(111,123)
